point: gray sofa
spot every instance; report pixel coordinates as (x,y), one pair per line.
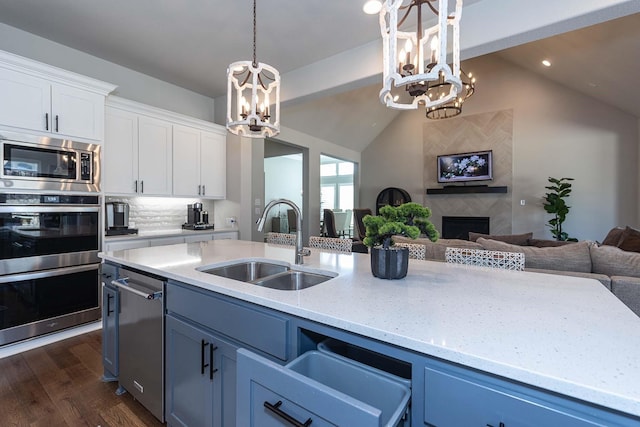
(618,270)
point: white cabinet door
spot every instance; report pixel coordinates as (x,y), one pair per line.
(166,241)
(30,106)
(76,112)
(226,235)
(213,165)
(186,161)
(120,154)
(154,157)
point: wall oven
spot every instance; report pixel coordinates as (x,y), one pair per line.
(49,265)
(49,164)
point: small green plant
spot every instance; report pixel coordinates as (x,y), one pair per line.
(556,205)
(409,220)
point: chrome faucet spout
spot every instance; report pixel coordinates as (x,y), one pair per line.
(301,252)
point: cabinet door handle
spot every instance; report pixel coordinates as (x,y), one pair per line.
(109,311)
(142,186)
(56,123)
(275,408)
(203,192)
(499,425)
(136,184)
(202,364)
(46,121)
(199,189)
(211,370)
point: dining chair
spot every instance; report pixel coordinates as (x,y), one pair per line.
(358,214)
(330,243)
(281,238)
(330,224)
(484,258)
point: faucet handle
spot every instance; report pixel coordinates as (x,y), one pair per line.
(305,252)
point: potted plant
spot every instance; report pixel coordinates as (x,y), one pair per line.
(554,204)
(409,220)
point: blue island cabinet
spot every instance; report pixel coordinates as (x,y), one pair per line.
(200,376)
(110,310)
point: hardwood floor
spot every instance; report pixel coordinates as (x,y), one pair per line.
(59,385)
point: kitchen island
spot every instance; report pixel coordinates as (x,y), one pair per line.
(564,335)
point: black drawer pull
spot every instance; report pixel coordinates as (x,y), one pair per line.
(46,121)
(202,364)
(288,418)
(500,425)
(211,370)
(57,123)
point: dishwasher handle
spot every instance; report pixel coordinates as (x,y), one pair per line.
(122,284)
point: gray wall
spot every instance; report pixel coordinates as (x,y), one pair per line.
(131,84)
(556,132)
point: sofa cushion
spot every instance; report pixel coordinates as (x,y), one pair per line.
(627,289)
(575,257)
(605,280)
(629,240)
(514,239)
(614,261)
(435,250)
(613,236)
(544,243)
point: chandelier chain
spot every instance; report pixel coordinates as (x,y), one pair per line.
(255,62)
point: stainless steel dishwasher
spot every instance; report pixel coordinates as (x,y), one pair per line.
(141,338)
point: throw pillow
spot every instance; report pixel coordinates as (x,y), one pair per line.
(613,236)
(614,261)
(629,240)
(543,243)
(575,257)
(514,239)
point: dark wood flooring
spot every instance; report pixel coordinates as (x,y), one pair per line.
(59,385)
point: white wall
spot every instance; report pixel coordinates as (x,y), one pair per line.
(556,132)
(283,180)
(131,84)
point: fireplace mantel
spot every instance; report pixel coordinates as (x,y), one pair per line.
(467,189)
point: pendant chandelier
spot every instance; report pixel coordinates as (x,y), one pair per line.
(453,107)
(253,96)
(415,69)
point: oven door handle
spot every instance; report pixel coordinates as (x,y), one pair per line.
(48,273)
(122,284)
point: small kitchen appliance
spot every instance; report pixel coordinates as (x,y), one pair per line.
(117,219)
(197,219)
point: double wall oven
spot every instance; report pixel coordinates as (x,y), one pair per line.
(50,236)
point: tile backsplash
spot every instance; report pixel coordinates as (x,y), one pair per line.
(160,213)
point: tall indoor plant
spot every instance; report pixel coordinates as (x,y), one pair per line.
(555,204)
(409,220)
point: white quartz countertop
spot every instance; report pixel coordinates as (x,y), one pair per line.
(564,334)
(152,234)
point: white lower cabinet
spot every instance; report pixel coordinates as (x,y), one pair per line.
(126,244)
(226,235)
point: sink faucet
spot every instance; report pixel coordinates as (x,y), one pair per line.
(300,251)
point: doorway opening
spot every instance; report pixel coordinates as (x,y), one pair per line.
(337,193)
(283,179)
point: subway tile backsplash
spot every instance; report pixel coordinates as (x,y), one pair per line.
(159,213)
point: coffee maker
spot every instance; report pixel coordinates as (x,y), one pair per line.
(117,219)
(197,219)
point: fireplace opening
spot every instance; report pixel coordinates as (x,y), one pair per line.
(458,227)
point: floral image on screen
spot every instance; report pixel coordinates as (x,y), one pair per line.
(463,167)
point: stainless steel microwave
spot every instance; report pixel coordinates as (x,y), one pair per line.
(42,163)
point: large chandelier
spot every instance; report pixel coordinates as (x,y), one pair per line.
(253,96)
(415,58)
(454,107)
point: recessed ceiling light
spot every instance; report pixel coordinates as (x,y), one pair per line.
(371,7)
(546,63)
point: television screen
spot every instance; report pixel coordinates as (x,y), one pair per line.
(463,167)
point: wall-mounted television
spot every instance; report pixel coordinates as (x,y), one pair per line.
(463,167)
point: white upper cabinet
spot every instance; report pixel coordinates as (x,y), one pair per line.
(50,101)
(154,152)
(137,154)
(199,163)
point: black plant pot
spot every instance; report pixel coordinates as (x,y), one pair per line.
(391,263)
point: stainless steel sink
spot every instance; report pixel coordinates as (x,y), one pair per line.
(247,271)
(269,274)
(292,280)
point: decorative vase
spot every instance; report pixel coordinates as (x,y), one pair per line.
(391,263)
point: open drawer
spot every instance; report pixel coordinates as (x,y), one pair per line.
(318,389)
